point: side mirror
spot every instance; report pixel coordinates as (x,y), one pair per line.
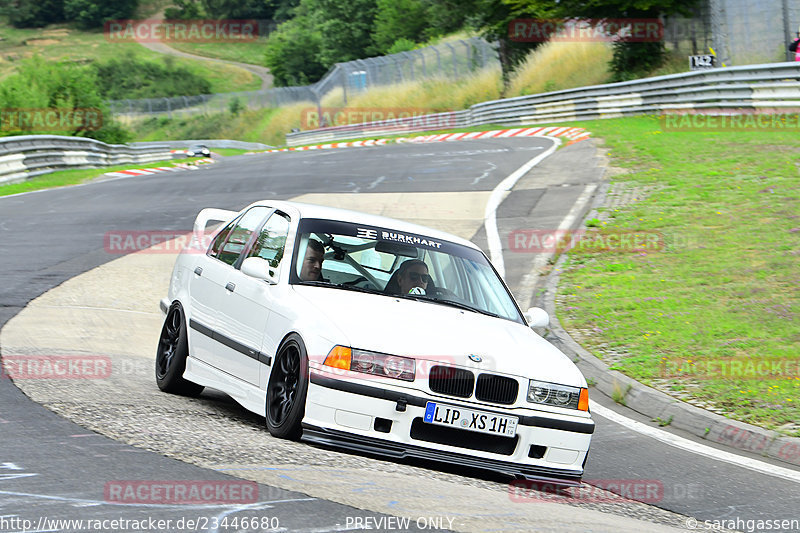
(259,268)
(537,317)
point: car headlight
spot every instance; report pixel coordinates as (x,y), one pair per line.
(366,362)
(558,395)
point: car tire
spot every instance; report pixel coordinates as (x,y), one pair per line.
(287,389)
(173,348)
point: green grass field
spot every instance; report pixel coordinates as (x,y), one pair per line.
(724,286)
(63,178)
(250,52)
(57,43)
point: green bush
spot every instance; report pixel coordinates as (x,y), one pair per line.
(43,89)
(635,60)
(88,14)
(33,13)
(292,53)
(401,45)
(129,77)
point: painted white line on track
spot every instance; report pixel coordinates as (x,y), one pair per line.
(694,447)
(497,196)
(528,283)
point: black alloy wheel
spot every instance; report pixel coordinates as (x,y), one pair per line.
(173,348)
(287,389)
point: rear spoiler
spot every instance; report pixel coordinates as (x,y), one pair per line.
(205,216)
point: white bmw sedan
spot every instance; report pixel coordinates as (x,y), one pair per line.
(374,335)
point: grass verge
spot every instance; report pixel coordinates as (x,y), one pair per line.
(250,52)
(59,43)
(62,178)
(700,316)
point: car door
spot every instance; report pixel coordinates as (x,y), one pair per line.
(247,302)
(203,293)
(208,289)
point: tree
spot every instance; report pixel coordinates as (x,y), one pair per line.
(33,13)
(321,33)
(88,14)
(40,87)
(399,19)
(631,58)
(346,27)
(492,19)
(292,53)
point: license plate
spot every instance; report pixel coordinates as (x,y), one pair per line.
(458,417)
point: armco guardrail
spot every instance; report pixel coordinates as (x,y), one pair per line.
(769,87)
(26,156)
(211,143)
(435,121)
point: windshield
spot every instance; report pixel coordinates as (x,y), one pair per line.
(398,264)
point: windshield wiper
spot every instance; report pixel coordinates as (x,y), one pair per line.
(356,288)
(451,303)
(340,286)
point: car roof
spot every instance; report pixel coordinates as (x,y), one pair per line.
(306,210)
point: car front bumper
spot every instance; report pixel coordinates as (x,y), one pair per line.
(372,419)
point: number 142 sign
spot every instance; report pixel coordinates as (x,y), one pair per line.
(702,62)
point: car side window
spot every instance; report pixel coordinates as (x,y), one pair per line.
(219,240)
(271,241)
(237,237)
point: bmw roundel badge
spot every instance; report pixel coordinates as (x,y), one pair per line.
(475,358)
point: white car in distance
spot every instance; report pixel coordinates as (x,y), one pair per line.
(375,335)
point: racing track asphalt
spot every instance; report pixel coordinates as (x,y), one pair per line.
(52,236)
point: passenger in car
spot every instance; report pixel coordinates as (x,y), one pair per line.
(411,274)
(311,269)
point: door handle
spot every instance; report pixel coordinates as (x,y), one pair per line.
(230,286)
(198,271)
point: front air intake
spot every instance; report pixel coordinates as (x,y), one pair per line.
(496,389)
(451,381)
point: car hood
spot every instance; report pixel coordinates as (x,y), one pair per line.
(437,332)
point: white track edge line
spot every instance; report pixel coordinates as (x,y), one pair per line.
(694,447)
(496,256)
(490,213)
